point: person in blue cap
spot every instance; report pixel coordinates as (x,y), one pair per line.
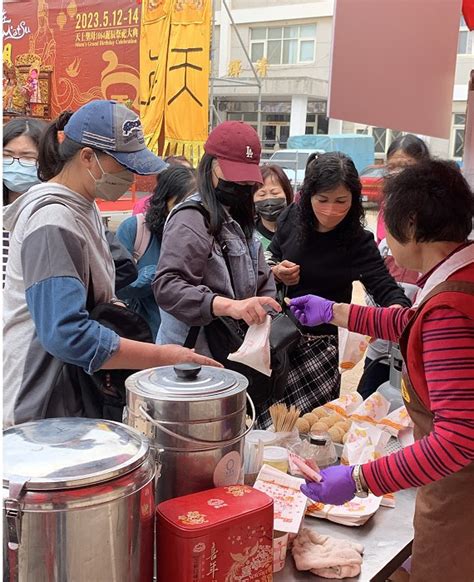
(60,262)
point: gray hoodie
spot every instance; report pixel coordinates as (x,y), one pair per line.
(56,236)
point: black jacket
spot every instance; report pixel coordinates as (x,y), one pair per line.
(330,263)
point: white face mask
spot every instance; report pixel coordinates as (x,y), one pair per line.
(112,186)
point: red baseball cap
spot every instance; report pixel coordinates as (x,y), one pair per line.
(237,147)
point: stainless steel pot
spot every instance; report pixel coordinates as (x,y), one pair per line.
(78,499)
(195,419)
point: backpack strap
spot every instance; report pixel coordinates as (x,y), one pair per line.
(142,238)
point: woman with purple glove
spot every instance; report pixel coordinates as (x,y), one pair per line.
(321,247)
(437,342)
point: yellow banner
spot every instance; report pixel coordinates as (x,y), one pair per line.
(187,79)
(154,39)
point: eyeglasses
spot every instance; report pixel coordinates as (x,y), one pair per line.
(26,162)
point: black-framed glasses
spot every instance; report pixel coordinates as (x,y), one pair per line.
(26,162)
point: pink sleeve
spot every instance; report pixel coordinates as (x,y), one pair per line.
(448,362)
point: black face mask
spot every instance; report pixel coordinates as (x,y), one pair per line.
(231,194)
(271,208)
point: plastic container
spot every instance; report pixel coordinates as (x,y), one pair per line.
(277,457)
(325,451)
(265,436)
(280,547)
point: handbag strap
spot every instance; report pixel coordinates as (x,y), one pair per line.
(142,238)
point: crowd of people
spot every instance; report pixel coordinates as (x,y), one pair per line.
(232,240)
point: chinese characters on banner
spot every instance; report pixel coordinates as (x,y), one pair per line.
(175,75)
(187,79)
(153,57)
(85,50)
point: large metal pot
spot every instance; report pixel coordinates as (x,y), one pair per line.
(78,498)
(195,419)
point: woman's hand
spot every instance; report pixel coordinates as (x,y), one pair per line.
(287,273)
(312,310)
(335,488)
(253,310)
(179,355)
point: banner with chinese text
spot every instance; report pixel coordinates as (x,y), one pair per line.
(153,56)
(187,79)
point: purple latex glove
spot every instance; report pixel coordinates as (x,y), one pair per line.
(337,486)
(312,310)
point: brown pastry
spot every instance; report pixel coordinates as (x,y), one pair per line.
(302,424)
(310,417)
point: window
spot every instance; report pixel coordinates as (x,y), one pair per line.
(458,135)
(284,45)
(464,40)
(382,139)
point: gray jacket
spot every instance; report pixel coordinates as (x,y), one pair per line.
(192,271)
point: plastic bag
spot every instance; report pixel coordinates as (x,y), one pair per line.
(352,347)
(255,349)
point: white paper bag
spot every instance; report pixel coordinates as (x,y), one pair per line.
(255,349)
(352,347)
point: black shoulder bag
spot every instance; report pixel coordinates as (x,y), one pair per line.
(225,335)
(102,394)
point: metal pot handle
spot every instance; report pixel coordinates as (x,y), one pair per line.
(236,439)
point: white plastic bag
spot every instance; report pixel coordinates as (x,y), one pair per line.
(255,349)
(352,347)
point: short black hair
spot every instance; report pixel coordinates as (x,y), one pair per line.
(428,202)
(411,145)
(327,172)
(32,128)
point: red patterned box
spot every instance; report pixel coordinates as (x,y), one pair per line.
(220,535)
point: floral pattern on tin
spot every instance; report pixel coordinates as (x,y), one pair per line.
(238,490)
(193,518)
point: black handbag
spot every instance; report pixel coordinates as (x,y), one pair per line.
(225,335)
(101,394)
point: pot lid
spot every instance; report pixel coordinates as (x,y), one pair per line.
(187,381)
(59,453)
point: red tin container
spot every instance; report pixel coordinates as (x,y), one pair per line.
(219,535)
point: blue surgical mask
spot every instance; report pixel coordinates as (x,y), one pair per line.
(18,178)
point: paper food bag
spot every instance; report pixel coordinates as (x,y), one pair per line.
(365,442)
(352,347)
(255,349)
(396,421)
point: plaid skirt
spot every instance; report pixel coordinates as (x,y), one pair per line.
(313,379)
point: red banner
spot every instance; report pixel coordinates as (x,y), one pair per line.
(81,50)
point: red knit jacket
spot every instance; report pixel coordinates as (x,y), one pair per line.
(440,363)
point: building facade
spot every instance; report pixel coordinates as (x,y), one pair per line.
(277,45)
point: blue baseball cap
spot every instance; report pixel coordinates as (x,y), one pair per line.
(111,127)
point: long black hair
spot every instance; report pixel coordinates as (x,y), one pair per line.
(411,145)
(55,153)
(32,128)
(244,214)
(325,173)
(177,182)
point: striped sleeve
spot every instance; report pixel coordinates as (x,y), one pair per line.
(448,362)
(379,322)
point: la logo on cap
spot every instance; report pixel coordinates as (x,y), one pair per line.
(249,153)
